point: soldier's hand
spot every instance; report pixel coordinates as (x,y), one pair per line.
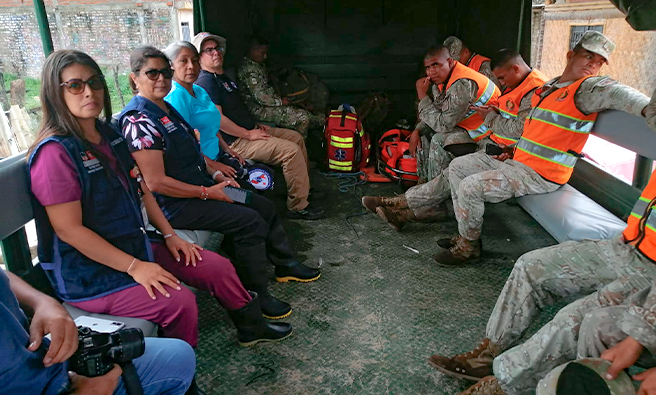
(648,378)
(622,355)
(422,85)
(507,153)
(415,142)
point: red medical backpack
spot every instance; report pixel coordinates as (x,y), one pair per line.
(348,146)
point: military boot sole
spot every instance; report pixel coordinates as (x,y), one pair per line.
(278,317)
(254,342)
(454,374)
(287,279)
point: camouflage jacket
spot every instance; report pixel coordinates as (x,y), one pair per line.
(255,87)
(602,93)
(447,109)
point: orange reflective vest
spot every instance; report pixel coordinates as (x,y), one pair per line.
(487,93)
(510,100)
(641,229)
(476,61)
(555,132)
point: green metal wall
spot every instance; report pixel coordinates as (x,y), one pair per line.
(364,45)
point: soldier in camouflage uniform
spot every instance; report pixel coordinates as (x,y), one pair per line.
(607,271)
(461,53)
(261,98)
(425,202)
(441,121)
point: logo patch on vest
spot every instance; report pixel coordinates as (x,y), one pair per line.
(168,125)
(563,96)
(227,87)
(510,105)
(90,162)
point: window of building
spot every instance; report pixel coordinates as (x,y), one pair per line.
(577,31)
(186,33)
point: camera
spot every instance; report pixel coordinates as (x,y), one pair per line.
(98,352)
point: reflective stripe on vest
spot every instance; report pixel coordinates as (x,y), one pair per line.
(641,231)
(487,93)
(547,153)
(555,132)
(561,120)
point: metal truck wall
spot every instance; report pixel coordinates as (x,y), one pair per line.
(364,45)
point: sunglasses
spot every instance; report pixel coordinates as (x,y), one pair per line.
(153,74)
(212,50)
(77,86)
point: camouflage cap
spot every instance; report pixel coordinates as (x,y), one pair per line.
(622,385)
(201,37)
(454,45)
(597,43)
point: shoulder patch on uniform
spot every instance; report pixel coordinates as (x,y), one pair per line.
(606,82)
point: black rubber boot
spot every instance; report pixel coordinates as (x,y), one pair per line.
(296,271)
(252,328)
(273,308)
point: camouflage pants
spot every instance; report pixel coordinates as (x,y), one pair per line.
(432,158)
(601,272)
(424,199)
(288,117)
(477,178)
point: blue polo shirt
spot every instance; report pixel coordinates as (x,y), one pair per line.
(21,370)
(201,113)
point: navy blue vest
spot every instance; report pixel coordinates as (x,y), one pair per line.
(182,157)
(108,209)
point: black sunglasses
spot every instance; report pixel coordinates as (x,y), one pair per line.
(76,85)
(153,74)
(212,50)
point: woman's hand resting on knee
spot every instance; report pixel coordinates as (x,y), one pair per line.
(151,275)
(191,251)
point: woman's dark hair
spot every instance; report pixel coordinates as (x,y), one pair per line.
(139,57)
(57,118)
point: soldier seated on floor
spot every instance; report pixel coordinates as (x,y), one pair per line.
(261,97)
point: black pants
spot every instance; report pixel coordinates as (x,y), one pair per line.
(253,234)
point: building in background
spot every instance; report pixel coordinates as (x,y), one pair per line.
(106,29)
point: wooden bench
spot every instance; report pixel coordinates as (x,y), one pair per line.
(570,213)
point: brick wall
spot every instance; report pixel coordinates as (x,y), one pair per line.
(631,63)
(108,32)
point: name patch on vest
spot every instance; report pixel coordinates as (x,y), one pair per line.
(90,162)
(168,125)
(118,140)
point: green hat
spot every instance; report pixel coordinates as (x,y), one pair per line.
(584,374)
(454,45)
(597,43)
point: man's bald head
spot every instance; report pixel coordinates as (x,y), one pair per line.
(509,68)
(438,64)
(440,51)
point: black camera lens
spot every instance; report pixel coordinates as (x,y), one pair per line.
(129,343)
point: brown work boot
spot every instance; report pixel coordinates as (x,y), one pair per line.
(371,202)
(461,252)
(473,365)
(396,218)
(489,385)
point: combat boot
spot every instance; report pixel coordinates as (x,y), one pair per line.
(487,386)
(461,252)
(371,202)
(395,218)
(473,365)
